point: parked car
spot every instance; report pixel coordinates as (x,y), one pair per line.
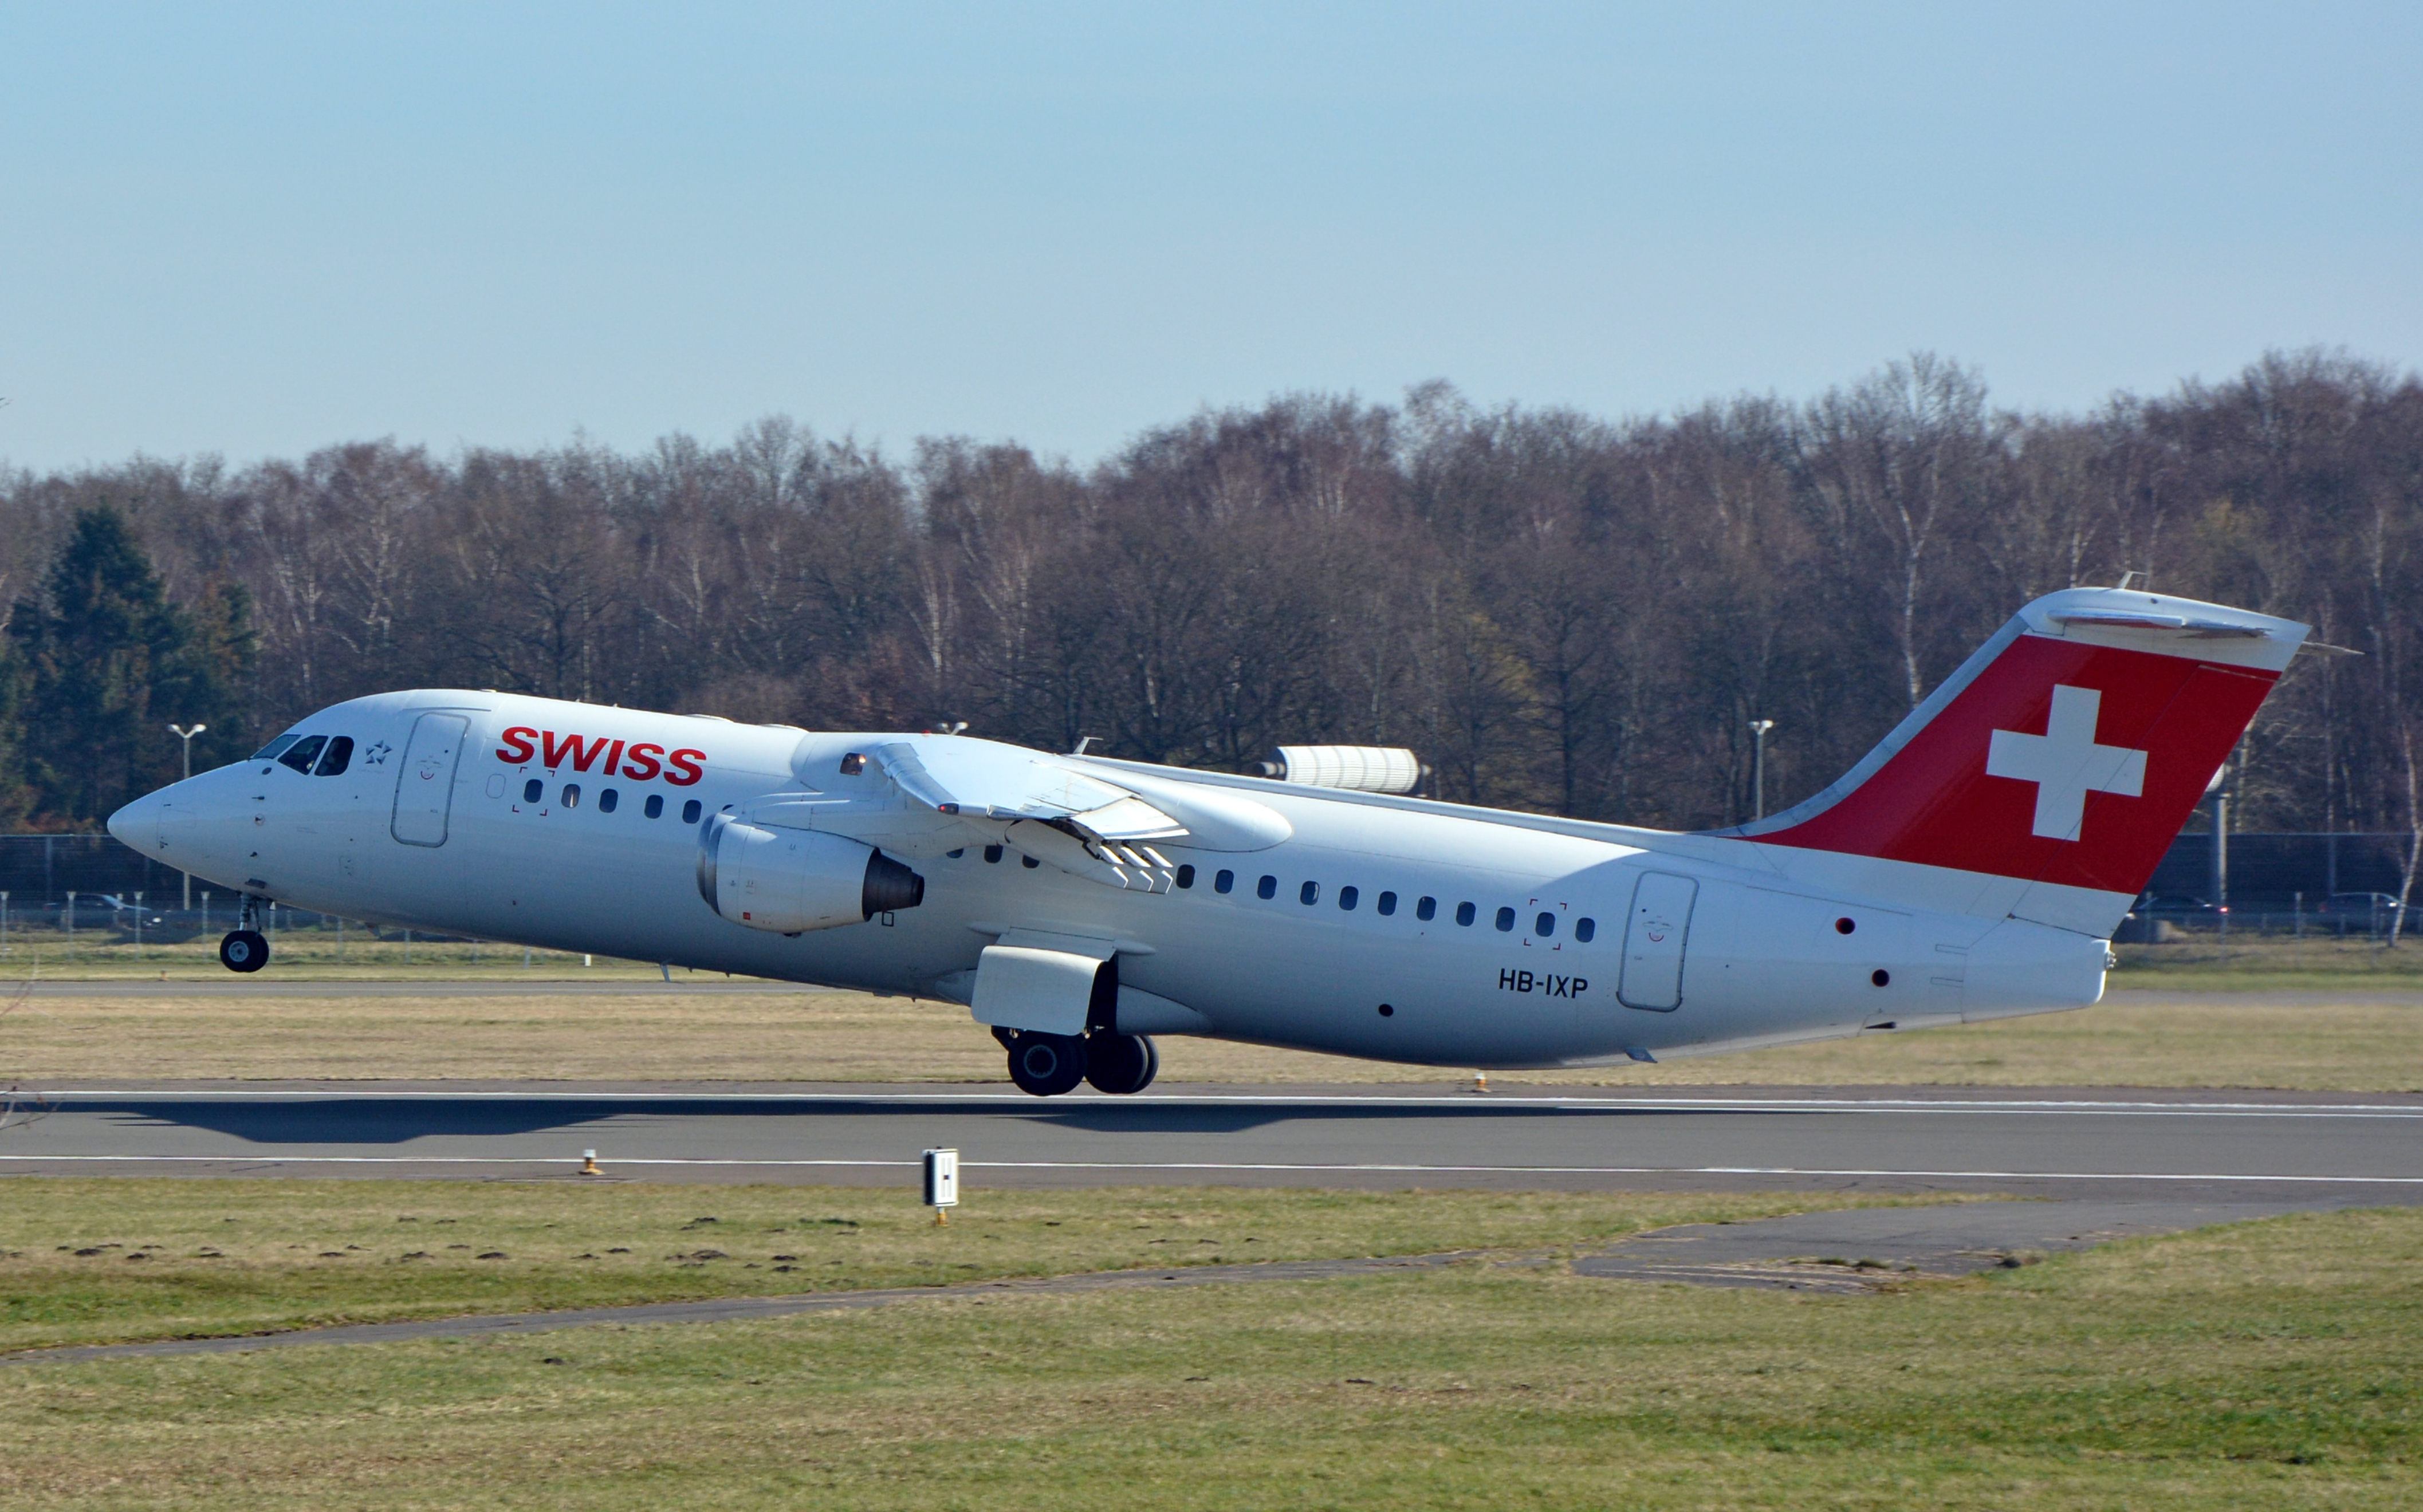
(130,923)
(2157,918)
(2368,911)
(2174,905)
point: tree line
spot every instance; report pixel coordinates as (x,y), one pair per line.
(1559,611)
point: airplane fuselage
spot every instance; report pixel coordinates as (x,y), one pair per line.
(1390,928)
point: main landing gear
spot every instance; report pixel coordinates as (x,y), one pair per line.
(1050,1065)
(244,948)
(1120,1064)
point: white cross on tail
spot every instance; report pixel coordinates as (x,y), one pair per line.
(2065,764)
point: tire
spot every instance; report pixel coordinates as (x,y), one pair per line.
(1121,1063)
(244,950)
(1047,1065)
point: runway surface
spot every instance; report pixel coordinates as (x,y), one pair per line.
(2306,1149)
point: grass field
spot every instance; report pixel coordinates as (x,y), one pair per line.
(2210,962)
(2267,1365)
(308,955)
(86,1261)
(2171,1040)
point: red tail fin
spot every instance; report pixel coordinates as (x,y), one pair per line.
(2070,749)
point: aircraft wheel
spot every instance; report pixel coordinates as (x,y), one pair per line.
(1047,1065)
(244,950)
(1121,1063)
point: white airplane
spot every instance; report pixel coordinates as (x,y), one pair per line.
(1972,866)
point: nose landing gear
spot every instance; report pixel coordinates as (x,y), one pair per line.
(244,948)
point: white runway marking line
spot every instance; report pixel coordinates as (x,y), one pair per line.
(1204,1165)
(1579,1105)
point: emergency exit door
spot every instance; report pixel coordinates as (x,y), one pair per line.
(424,780)
(1654,940)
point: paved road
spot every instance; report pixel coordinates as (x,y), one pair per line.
(2305,1148)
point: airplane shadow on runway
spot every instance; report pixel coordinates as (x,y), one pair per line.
(379,1120)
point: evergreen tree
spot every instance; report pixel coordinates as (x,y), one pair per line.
(106,663)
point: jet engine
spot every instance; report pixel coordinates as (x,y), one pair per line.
(787,881)
(1363,768)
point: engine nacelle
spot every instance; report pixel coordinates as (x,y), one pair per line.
(787,881)
(1363,768)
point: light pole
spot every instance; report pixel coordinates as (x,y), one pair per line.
(186,734)
(1758,729)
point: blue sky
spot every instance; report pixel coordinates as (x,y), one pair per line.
(254,229)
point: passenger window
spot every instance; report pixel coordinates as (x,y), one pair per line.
(1505,920)
(1185,876)
(607,800)
(992,854)
(572,795)
(1346,897)
(1464,914)
(1387,903)
(1544,925)
(532,790)
(1029,862)
(334,761)
(853,764)
(1309,892)
(1225,882)
(1584,929)
(1267,888)
(271,751)
(690,811)
(302,753)
(957,854)
(1426,910)
(654,807)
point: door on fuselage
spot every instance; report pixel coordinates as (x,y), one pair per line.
(1653,938)
(425,779)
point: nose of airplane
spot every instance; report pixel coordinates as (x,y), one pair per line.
(138,823)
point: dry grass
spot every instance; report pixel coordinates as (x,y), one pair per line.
(94,1260)
(2220,1040)
(303,955)
(2270,1365)
(2267,961)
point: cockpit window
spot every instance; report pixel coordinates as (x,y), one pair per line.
(302,753)
(270,752)
(334,761)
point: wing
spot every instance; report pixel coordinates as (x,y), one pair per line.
(953,775)
(1077,823)
(947,791)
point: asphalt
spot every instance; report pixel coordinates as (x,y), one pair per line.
(2104,1163)
(2102,1143)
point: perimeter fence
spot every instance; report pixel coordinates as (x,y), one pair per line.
(92,887)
